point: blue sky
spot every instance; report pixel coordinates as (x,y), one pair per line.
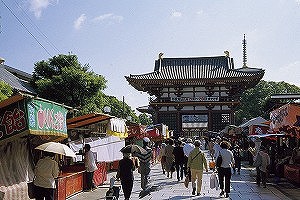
(118,38)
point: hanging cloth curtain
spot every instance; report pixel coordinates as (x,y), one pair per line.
(117,127)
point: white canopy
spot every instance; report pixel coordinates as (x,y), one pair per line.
(254,121)
(106,149)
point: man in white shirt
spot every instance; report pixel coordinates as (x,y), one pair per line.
(90,166)
(187,148)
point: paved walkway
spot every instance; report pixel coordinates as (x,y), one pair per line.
(243,187)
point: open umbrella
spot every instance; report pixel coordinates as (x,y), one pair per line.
(56,147)
(133,148)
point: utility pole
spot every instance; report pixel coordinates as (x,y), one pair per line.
(123,109)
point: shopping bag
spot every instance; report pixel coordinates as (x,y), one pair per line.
(213,182)
(186,181)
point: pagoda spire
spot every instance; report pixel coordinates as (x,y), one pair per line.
(244,52)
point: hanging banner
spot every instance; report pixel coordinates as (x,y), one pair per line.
(287,115)
(46,118)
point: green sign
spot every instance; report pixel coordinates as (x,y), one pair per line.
(45,118)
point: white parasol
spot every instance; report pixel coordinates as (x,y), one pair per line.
(56,147)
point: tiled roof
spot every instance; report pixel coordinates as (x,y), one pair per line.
(15,82)
(198,70)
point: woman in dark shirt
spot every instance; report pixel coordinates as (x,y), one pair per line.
(125,174)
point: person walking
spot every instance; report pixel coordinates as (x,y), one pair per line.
(90,167)
(196,163)
(187,148)
(237,158)
(225,170)
(179,159)
(45,172)
(262,169)
(170,168)
(145,162)
(216,148)
(162,155)
(125,174)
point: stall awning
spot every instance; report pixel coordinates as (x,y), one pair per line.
(86,120)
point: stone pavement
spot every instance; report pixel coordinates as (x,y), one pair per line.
(243,187)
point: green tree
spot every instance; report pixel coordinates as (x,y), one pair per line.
(64,80)
(5,91)
(254,101)
(145,119)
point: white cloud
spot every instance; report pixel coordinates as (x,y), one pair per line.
(109,17)
(79,21)
(176,14)
(200,12)
(37,6)
(298,1)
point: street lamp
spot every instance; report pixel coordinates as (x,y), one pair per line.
(107,109)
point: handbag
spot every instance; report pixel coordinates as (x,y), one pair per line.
(219,160)
(212,164)
(31,192)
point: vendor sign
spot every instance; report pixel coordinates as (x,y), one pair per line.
(287,115)
(31,116)
(46,118)
(13,120)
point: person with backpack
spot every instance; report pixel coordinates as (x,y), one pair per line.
(262,162)
(196,163)
(145,163)
(224,168)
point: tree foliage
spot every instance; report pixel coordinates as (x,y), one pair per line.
(64,80)
(5,91)
(145,119)
(254,101)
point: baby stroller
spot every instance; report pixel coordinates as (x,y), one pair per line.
(113,192)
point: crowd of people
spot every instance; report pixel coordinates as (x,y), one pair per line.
(185,157)
(180,158)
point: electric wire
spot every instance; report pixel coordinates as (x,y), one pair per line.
(26,28)
(37,28)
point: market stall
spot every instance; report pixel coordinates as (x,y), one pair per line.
(26,122)
(104,133)
(286,119)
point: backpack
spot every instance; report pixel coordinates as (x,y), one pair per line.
(258,161)
(219,160)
